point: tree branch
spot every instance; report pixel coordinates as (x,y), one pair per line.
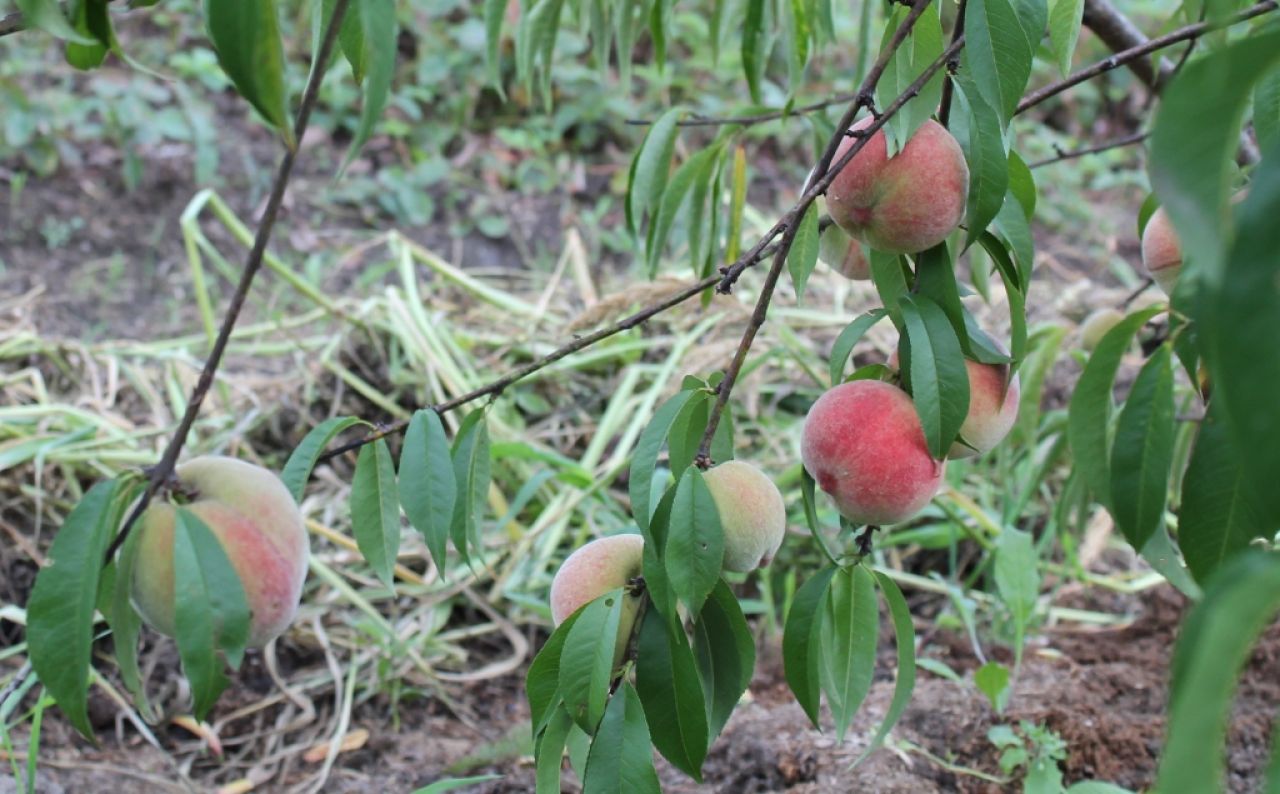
(948,88)
(1132,54)
(1119,33)
(1128,140)
(161,472)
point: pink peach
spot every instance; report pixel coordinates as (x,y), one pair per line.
(863,444)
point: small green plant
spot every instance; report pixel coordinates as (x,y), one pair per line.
(1034,752)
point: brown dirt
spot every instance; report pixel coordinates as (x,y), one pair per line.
(1102,690)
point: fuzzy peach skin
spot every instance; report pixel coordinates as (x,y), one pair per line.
(863,444)
(259,526)
(904,204)
(844,254)
(1161,251)
(752,514)
(593,570)
(993,408)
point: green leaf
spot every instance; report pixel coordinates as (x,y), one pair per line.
(91,19)
(126,624)
(1089,415)
(211,611)
(375,509)
(428,484)
(441,786)
(548,751)
(694,552)
(939,379)
(649,169)
(621,761)
(904,637)
(378,28)
(1065,17)
(471,471)
(1016,573)
(754,57)
(1239,299)
(978,130)
(849,337)
(1219,515)
(47,15)
(1240,600)
(671,691)
(850,630)
(1013,226)
(922,47)
(801,641)
(1143,451)
(60,608)
(351,40)
(494,14)
(1194,141)
(992,680)
(687,431)
(936,280)
(586,661)
(303,459)
(803,256)
(1000,43)
(697,169)
(246,37)
(1022,184)
(542,682)
(1266,110)
(725,652)
(662,595)
(645,457)
(891,282)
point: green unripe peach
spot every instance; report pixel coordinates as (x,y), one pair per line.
(752,514)
(906,203)
(602,565)
(1096,326)
(258,523)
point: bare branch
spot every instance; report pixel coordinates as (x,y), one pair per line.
(161,472)
(1119,33)
(1132,54)
(1128,140)
(948,88)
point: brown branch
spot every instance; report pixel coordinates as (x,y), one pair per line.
(759,118)
(823,175)
(1119,33)
(1128,140)
(161,472)
(1129,55)
(12,23)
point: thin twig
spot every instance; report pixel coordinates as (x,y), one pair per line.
(948,88)
(1128,140)
(165,467)
(823,175)
(12,23)
(759,118)
(1119,33)
(1126,56)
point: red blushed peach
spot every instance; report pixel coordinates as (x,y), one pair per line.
(752,514)
(862,443)
(256,520)
(1161,251)
(844,254)
(602,565)
(907,203)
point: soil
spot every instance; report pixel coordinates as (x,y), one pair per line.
(1102,690)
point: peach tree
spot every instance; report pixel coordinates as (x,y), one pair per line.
(920,171)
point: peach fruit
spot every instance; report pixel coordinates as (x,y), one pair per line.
(257,522)
(1096,326)
(863,444)
(907,203)
(993,408)
(1161,251)
(752,514)
(844,254)
(602,565)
